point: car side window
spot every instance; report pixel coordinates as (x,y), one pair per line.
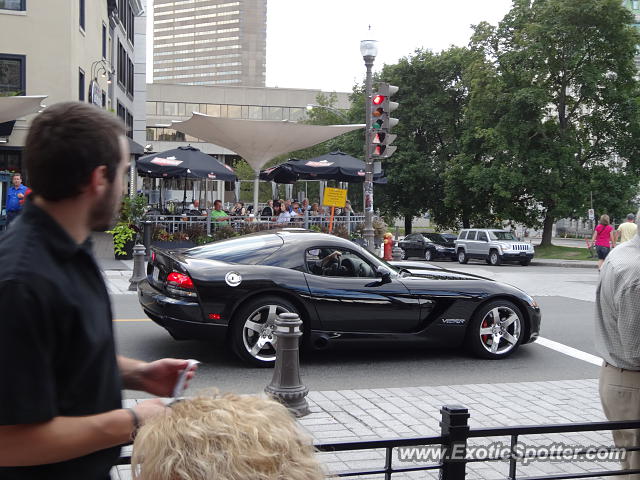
(335,262)
(463,235)
(471,235)
(482,236)
(410,238)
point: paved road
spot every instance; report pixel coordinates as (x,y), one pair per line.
(565,295)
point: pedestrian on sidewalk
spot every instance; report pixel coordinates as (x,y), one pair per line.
(61,414)
(617,340)
(627,230)
(16,195)
(604,237)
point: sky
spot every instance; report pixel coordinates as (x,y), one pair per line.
(316,44)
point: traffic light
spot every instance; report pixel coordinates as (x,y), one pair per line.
(381,121)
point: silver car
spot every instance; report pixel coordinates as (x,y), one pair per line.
(494,246)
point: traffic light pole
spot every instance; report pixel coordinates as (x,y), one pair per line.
(368,177)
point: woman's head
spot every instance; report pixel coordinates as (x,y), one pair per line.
(604,219)
(225,436)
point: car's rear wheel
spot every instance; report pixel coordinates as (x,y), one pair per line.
(494,258)
(462,256)
(496,330)
(428,255)
(252,332)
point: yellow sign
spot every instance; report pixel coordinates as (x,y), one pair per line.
(334,197)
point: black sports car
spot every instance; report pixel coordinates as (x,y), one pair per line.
(429,246)
(233,289)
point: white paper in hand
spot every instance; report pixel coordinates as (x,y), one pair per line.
(178,390)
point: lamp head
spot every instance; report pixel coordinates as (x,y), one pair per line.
(369,48)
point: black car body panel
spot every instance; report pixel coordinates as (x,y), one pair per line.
(414,303)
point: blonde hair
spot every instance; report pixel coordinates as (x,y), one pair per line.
(224,437)
(604,219)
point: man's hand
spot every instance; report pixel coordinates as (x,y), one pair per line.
(156,378)
(20,195)
(151,408)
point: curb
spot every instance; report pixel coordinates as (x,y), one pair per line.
(564,263)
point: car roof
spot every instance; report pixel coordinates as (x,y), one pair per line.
(295,235)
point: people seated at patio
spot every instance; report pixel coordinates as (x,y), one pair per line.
(238,209)
(305,204)
(225,436)
(281,215)
(267,211)
(218,214)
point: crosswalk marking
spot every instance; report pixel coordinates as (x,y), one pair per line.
(570,351)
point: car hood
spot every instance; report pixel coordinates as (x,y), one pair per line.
(422,270)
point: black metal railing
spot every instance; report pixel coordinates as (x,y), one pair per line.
(453,442)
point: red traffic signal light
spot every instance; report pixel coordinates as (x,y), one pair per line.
(378,99)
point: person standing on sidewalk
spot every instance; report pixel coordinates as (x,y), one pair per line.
(617,340)
(604,237)
(15,197)
(627,230)
(61,414)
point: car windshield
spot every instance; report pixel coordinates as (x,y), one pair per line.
(502,236)
(377,262)
(435,237)
(248,250)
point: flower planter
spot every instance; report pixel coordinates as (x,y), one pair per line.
(128,248)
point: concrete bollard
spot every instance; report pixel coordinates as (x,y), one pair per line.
(139,273)
(286,386)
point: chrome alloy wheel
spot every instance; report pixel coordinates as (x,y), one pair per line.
(258,332)
(500,330)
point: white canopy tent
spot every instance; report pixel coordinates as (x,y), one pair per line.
(12,108)
(258,141)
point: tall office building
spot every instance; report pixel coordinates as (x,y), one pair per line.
(634,6)
(210,42)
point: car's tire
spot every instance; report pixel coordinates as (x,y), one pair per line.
(494,258)
(255,322)
(507,335)
(428,255)
(404,255)
(462,256)
(524,263)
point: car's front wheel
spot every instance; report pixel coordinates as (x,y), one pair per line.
(462,256)
(494,258)
(428,255)
(253,336)
(496,330)
(404,255)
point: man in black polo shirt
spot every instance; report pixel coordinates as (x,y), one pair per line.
(60,380)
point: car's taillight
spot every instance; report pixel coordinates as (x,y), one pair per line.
(180,284)
(153,257)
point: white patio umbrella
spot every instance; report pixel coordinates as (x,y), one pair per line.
(12,108)
(258,141)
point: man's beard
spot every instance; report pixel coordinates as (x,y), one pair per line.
(104,211)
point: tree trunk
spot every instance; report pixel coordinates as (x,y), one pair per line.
(547,230)
(408,219)
(465,222)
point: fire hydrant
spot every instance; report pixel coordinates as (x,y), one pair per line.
(388,246)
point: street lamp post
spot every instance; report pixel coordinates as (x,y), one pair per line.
(369,50)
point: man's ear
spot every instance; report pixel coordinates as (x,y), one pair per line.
(99,183)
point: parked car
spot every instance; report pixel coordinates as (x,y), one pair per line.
(429,246)
(493,246)
(232,290)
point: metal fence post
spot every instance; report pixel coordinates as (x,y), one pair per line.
(147,227)
(306,218)
(208,223)
(286,386)
(455,426)
(139,273)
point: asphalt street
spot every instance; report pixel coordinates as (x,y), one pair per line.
(565,296)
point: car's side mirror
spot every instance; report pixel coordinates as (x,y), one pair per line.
(383,273)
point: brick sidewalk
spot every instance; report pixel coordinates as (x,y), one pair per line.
(349,415)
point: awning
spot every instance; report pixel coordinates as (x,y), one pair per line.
(135,148)
(12,108)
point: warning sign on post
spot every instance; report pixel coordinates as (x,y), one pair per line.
(335,197)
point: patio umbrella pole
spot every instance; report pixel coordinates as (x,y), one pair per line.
(256,189)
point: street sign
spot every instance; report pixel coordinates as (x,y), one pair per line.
(334,197)
(592,214)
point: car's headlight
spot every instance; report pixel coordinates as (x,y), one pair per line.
(440,248)
(505,246)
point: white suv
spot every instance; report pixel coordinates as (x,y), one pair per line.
(494,246)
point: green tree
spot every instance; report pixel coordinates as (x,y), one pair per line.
(561,120)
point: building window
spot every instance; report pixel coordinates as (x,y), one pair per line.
(12,74)
(122,13)
(81,13)
(122,112)
(129,122)
(19,5)
(130,22)
(122,66)
(130,77)
(104,41)
(634,4)
(81,85)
